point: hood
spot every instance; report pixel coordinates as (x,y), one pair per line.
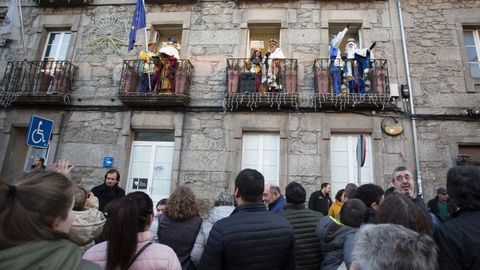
(52,255)
(329,231)
(220,212)
(86,226)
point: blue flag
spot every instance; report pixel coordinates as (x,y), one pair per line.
(138,22)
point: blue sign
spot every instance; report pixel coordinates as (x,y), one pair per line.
(107,161)
(39,132)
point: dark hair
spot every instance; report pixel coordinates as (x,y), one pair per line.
(369,193)
(112,171)
(350,189)
(250,184)
(162,202)
(181,205)
(126,217)
(400,168)
(400,209)
(463,185)
(29,207)
(295,193)
(338,196)
(42,160)
(80,198)
(324,185)
(353,213)
(254,56)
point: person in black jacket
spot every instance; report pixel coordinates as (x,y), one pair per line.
(109,190)
(320,200)
(251,238)
(441,206)
(308,253)
(458,239)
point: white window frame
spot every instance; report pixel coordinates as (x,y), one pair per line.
(338,184)
(260,166)
(57,53)
(149,189)
(476,40)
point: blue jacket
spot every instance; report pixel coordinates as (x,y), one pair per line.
(336,242)
(277,206)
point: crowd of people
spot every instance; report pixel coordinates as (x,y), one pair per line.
(48,222)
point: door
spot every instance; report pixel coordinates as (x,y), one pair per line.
(151,169)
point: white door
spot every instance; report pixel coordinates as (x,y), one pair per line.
(151,169)
(261,151)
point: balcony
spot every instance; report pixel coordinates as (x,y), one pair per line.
(37,83)
(334,88)
(166,88)
(62,3)
(271,83)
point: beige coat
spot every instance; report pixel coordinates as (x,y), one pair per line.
(86,226)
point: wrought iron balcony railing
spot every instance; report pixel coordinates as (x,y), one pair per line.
(62,3)
(39,82)
(271,76)
(353,83)
(151,84)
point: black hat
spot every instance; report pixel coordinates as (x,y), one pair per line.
(442,191)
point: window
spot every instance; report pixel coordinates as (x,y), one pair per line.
(471,38)
(259,36)
(56,46)
(151,164)
(165,33)
(261,151)
(343,155)
(353,32)
(468,155)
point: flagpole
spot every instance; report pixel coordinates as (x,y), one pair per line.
(146,48)
(23,30)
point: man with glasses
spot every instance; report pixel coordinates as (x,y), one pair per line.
(404,184)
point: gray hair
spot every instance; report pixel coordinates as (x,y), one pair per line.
(400,168)
(378,247)
(223,199)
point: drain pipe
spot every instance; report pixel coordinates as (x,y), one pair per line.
(412,109)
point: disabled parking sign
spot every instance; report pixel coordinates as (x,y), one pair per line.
(39,132)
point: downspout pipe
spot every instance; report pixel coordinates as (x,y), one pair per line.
(412,108)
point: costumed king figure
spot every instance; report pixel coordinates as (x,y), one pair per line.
(147,67)
(357,66)
(336,63)
(273,65)
(165,77)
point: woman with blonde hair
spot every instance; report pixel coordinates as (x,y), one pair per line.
(35,217)
(179,225)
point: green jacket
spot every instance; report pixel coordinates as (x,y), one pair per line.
(308,253)
(51,255)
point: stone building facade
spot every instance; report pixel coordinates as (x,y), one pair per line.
(307,138)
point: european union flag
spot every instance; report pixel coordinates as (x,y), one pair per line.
(138,22)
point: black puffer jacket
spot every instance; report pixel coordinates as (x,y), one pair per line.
(251,238)
(308,253)
(337,243)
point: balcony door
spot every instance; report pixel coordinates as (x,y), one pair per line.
(151,168)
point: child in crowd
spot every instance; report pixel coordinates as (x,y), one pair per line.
(338,237)
(129,245)
(336,206)
(88,221)
(35,218)
(223,208)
